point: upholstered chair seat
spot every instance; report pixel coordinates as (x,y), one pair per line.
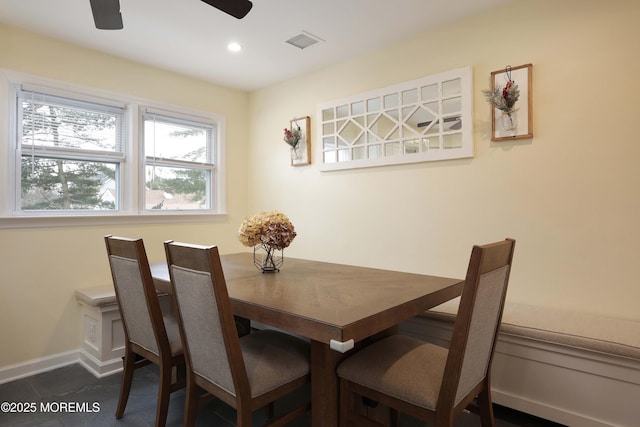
(400,366)
(173,334)
(273,359)
(247,373)
(429,382)
(150,335)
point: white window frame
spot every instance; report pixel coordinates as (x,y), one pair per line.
(342,111)
(117,156)
(132,169)
(210,165)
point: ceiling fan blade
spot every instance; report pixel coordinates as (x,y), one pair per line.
(235,8)
(106,14)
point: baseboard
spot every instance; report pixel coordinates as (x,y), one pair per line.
(49,363)
(36,366)
(97,368)
(542,410)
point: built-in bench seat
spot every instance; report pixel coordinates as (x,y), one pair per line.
(102,333)
(574,368)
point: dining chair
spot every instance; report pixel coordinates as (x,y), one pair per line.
(248,372)
(426,381)
(150,335)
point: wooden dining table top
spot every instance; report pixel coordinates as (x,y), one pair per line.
(326,301)
(338,307)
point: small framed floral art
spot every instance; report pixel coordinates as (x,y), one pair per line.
(510,97)
(298,138)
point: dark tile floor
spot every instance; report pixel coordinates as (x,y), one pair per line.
(93,402)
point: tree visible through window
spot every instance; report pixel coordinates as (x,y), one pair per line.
(178,163)
(78,154)
(70,154)
(66,184)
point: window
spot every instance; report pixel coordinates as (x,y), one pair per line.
(179,165)
(75,154)
(70,154)
(422,120)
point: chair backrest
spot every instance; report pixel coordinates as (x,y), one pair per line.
(210,338)
(136,294)
(477,322)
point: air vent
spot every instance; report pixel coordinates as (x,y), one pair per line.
(303,40)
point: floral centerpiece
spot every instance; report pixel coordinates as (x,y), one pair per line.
(292,137)
(267,232)
(504,99)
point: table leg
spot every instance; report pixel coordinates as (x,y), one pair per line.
(324,381)
(242,325)
(324,385)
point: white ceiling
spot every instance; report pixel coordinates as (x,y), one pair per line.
(190,37)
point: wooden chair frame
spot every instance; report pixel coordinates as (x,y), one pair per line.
(136,356)
(207,259)
(484,259)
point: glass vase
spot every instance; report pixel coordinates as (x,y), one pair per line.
(295,154)
(510,121)
(267,259)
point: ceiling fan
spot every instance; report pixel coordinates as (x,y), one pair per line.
(107,16)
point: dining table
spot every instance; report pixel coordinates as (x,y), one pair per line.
(337,307)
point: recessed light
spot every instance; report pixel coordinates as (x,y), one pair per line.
(234,47)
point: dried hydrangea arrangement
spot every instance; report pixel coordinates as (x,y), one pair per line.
(268,232)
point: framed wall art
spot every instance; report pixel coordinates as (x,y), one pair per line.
(423,120)
(510,97)
(299,139)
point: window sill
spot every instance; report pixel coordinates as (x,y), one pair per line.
(94,220)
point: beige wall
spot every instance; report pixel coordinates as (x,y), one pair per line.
(569,196)
(40,268)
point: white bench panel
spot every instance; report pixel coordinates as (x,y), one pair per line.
(565,378)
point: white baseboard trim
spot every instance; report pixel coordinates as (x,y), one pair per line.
(36,366)
(49,363)
(543,410)
(97,368)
